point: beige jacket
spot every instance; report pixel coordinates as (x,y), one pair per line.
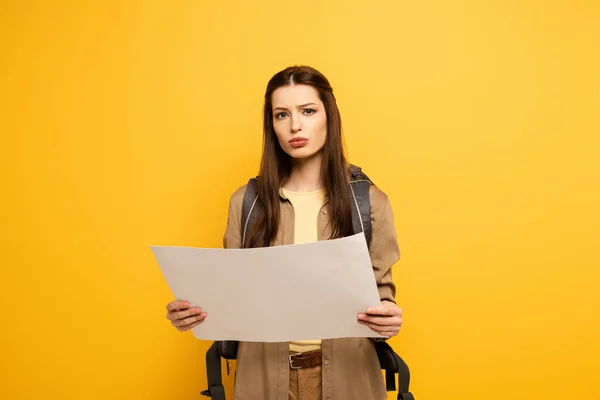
(351,369)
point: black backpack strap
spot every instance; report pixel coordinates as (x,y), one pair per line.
(228,349)
(387,362)
(250,198)
(403,379)
(215,391)
(360,202)
(393,364)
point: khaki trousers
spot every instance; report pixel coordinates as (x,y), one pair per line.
(305,383)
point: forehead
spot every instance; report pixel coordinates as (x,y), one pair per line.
(293,95)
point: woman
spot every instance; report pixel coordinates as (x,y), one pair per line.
(303,180)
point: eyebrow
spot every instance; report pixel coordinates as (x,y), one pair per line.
(300,106)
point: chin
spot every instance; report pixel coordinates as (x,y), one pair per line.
(301,154)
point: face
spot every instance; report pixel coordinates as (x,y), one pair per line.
(299,120)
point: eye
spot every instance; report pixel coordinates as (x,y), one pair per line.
(309,111)
(281,115)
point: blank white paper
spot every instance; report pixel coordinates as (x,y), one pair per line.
(275,294)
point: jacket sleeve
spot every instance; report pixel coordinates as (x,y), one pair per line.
(233,235)
(384,249)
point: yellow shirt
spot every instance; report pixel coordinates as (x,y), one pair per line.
(307,206)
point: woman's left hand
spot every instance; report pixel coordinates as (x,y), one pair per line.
(385,319)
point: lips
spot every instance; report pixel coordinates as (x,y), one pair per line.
(298,142)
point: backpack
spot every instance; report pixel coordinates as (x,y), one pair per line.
(389,361)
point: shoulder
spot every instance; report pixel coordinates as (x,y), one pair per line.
(379,199)
(237,197)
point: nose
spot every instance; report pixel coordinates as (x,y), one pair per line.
(296,126)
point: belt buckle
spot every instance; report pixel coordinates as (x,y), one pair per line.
(292,361)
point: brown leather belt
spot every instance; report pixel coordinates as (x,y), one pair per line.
(305,360)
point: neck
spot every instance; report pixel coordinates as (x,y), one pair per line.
(305,175)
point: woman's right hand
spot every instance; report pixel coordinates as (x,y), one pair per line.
(183,317)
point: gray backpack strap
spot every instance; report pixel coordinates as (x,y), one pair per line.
(250,198)
(360,202)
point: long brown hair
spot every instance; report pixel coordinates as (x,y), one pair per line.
(276,164)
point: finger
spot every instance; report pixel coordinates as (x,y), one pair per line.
(188,327)
(381,310)
(382,321)
(188,321)
(381,328)
(195,324)
(175,315)
(390,309)
(177,305)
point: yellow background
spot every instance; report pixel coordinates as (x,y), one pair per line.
(127,124)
